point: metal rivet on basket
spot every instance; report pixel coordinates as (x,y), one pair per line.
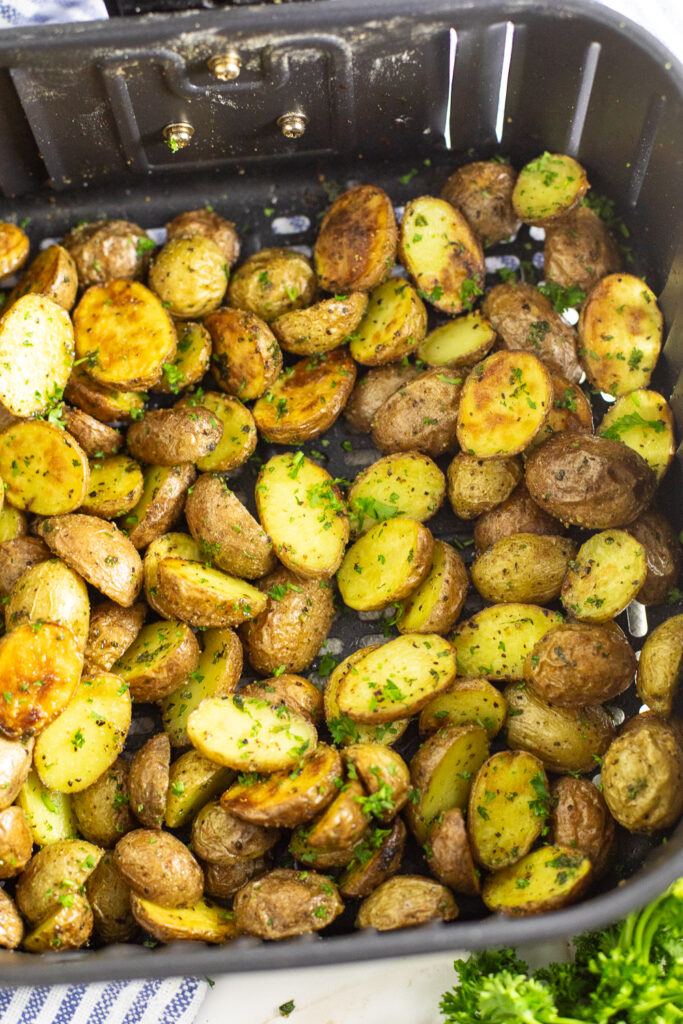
(292,125)
(178,134)
(225,66)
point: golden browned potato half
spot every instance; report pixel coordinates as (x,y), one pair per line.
(356,245)
(579,250)
(208,224)
(36,355)
(386,564)
(204,921)
(482,191)
(52,274)
(246,358)
(383,772)
(421,415)
(406,901)
(69,927)
(518,513)
(158,867)
(322,326)
(580,819)
(100,401)
(435,606)
(494,642)
(523,567)
(644,421)
(272,282)
(549,187)
(372,390)
(108,250)
(14,248)
(642,776)
(162,655)
(466,702)
(394,323)
(609,570)
(375,859)
(548,878)
(190,276)
(39,672)
(578,663)
(286,902)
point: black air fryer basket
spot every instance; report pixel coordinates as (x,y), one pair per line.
(391,92)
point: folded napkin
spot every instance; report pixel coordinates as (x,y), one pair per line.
(44,12)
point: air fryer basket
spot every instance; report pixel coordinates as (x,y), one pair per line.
(393,97)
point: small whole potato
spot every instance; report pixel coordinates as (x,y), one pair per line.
(580,819)
(476,486)
(148,781)
(108,250)
(109,898)
(580,663)
(209,225)
(517,514)
(663,553)
(642,776)
(420,416)
(524,567)
(102,810)
(159,867)
(190,276)
(168,437)
(218,836)
(579,250)
(482,191)
(405,901)
(286,902)
(16,842)
(272,282)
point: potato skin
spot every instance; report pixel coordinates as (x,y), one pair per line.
(57,868)
(17,556)
(95,438)
(292,626)
(526,321)
(285,902)
(159,867)
(580,819)
(112,630)
(404,902)
(659,666)
(518,513)
(265,283)
(579,250)
(16,842)
(449,855)
(109,898)
(222,881)
(107,250)
(372,390)
(525,567)
(361,877)
(11,925)
(295,692)
(578,663)
(663,553)
(102,810)
(209,225)
(68,927)
(169,437)
(246,357)
(148,781)
(476,486)
(164,508)
(589,481)
(233,540)
(15,763)
(321,327)
(482,191)
(420,416)
(356,245)
(190,276)
(642,776)
(99,401)
(219,836)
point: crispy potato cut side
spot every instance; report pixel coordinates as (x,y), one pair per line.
(643,420)
(508,804)
(322,326)
(304,514)
(403,484)
(659,665)
(466,702)
(406,901)
(14,248)
(386,564)
(246,358)
(442,254)
(193,782)
(114,487)
(505,402)
(69,927)
(191,362)
(162,655)
(124,334)
(548,187)
(36,354)
(458,343)
(12,524)
(344,729)
(204,921)
(250,735)
(397,679)
(495,642)
(239,436)
(202,596)
(50,592)
(285,902)
(43,468)
(620,334)
(356,244)
(525,567)
(98,551)
(609,570)
(395,322)
(53,275)
(72,752)
(307,398)
(50,815)
(547,879)
(100,401)
(39,673)
(434,606)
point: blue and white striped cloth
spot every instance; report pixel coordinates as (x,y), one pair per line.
(171,1001)
(45,12)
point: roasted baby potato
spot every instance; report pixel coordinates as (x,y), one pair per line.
(518,513)
(403,484)
(102,810)
(441,772)
(508,804)
(193,781)
(68,927)
(579,250)
(643,420)
(526,567)
(50,592)
(466,702)
(494,642)
(525,320)
(386,564)
(222,881)
(343,728)
(548,187)
(227,534)
(16,842)
(74,750)
(101,402)
(108,250)
(170,545)
(420,416)
(372,390)
(208,224)
(322,326)
(303,512)
(608,572)
(158,867)
(109,899)
(620,318)
(482,191)
(11,925)
(476,486)
(570,411)
(55,474)
(206,597)
(12,523)
(435,605)
(218,836)
(290,630)
(642,776)
(394,324)
(52,274)
(114,487)
(298,694)
(98,551)
(95,438)
(546,879)
(191,362)
(50,815)
(441,253)
(148,781)
(169,437)
(307,398)
(406,901)
(15,764)
(659,666)
(458,343)
(286,799)
(272,282)
(579,663)
(589,481)
(58,869)
(204,921)
(375,859)
(564,739)
(356,245)
(239,431)
(285,902)
(580,820)
(162,655)
(504,403)
(124,335)
(112,630)
(161,502)
(190,276)
(328,840)
(383,773)
(246,358)
(449,855)
(14,248)
(44,663)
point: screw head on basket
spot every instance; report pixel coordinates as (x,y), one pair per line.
(177,135)
(292,125)
(225,66)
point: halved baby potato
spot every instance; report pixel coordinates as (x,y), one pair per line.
(508,804)
(342,728)
(322,326)
(12,524)
(246,358)
(50,592)
(114,488)
(356,245)
(14,248)
(442,254)
(505,402)
(169,545)
(570,410)
(36,354)
(171,437)
(336,830)
(620,334)
(191,362)
(206,597)
(52,274)
(403,484)
(226,532)
(659,666)
(272,282)
(383,773)
(49,814)
(239,436)
(420,416)
(17,556)
(375,859)
(97,439)
(124,334)
(394,324)
(160,504)
(43,468)
(548,187)
(466,702)
(192,782)
(608,572)
(475,486)
(527,567)
(102,402)
(406,901)
(386,564)
(204,921)
(494,643)
(643,420)
(449,855)
(546,879)
(459,342)
(434,606)
(162,655)
(190,276)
